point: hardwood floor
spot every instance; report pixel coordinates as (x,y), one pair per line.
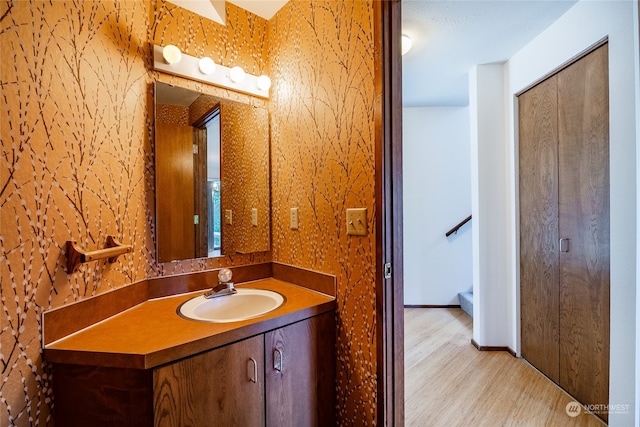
(448,382)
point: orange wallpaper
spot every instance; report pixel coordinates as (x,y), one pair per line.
(245,177)
(77,159)
(322,109)
(77,162)
(172,114)
(202,106)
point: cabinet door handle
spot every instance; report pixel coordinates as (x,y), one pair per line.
(278,360)
(564,245)
(252,373)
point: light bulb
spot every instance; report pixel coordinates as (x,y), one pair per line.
(236,74)
(406,44)
(171,54)
(206,65)
(264,82)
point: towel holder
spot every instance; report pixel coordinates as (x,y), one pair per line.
(77,255)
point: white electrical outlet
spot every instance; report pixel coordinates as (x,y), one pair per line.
(254,217)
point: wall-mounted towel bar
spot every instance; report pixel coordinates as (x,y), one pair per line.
(77,255)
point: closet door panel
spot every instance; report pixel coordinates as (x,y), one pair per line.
(583,130)
(539,273)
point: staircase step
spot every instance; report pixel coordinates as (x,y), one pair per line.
(466,302)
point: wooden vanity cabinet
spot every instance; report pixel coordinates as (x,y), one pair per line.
(101,396)
(224,387)
(300,373)
(284,377)
(295,364)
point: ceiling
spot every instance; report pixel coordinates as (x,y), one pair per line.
(167,94)
(263,8)
(450,36)
(215,9)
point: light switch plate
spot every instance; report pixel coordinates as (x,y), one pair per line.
(357,221)
(293,219)
(254,217)
(228,216)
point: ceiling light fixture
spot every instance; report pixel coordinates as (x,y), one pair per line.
(406,44)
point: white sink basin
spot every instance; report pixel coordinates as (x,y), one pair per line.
(246,304)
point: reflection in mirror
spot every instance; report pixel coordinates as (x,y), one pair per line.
(212,175)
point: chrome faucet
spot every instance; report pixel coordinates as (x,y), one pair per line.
(225,285)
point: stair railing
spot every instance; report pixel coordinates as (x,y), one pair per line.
(455,229)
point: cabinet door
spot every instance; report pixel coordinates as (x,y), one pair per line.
(222,387)
(300,373)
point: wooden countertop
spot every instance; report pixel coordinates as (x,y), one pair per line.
(152,333)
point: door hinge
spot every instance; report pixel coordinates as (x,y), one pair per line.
(388,271)
(195,148)
(196,219)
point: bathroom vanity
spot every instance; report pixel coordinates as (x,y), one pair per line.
(149,366)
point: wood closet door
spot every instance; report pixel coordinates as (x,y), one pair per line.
(583,131)
(564,195)
(539,251)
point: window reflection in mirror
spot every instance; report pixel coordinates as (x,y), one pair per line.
(210,150)
(212,175)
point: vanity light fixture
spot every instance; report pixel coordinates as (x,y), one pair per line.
(171,54)
(206,65)
(205,70)
(237,74)
(264,82)
(406,44)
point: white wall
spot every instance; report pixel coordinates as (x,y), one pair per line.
(490,200)
(583,25)
(436,197)
(636,30)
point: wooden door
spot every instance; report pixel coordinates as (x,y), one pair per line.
(389,276)
(583,111)
(564,227)
(174,192)
(539,270)
(222,387)
(300,373)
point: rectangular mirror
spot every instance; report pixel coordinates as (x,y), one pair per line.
(212,175)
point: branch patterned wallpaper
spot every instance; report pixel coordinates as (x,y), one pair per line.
(323,133)
(244,154)
(76,128)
